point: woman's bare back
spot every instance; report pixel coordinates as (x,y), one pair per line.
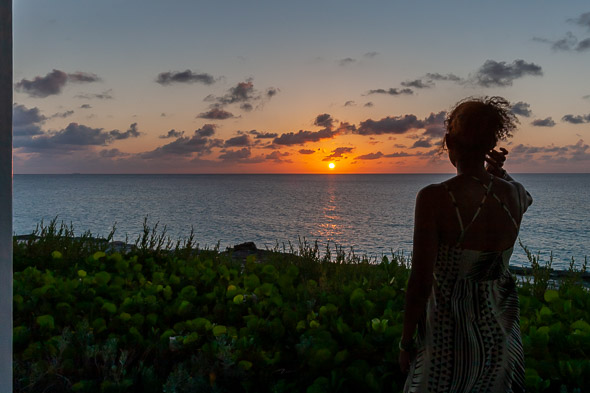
(493,229)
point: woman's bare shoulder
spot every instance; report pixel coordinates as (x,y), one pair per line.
(431,192)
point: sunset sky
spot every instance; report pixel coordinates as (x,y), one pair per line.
(145,86)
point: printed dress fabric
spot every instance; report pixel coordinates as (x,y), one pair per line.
(469,335)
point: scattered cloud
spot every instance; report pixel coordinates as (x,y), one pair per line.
(446,77)
(301,137)
(187,76)
(402,124)
(371,54)
(583,20)
(567,44)
(579,151)
(392,91)
(369,105)
(85,106)
(500,74)
(53,83)
(63,115)
(338,153)
(263,135)
(522,109)
(306,151)
(112,153)
(277,156)
(26,122)
(418,84)
(350,103)
(378,155)
(244,94)
(346,61)
(323,120)
(74,137)
(421,143)
(215,114)
(576,119)
(238,141)
(172,134)
(105,95)
(547,122)
(200,143)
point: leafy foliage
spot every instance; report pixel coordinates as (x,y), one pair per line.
(90,318)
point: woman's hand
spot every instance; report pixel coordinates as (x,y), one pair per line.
(495,162)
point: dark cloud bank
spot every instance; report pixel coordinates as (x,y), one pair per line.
(53,83)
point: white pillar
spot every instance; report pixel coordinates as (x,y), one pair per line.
(5,196)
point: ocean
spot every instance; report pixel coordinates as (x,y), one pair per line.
(370,214)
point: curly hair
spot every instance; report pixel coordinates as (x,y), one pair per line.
(475,125)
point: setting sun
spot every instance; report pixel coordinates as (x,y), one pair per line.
(331,165)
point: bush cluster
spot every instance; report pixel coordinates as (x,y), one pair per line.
(88,318)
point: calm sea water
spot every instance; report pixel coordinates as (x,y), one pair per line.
(373,214)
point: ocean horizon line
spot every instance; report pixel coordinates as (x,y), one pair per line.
(273,174)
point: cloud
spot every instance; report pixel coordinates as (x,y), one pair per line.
(346,61)
(83,77)
(371,54)
(63,115)
(215,114)
(26,122)
(111,153)
(132,132)
(389,125)
(435,125)
(370,156)
(547,122)
(418,84)
(187,76)
(369,105)
(238,141)
(446,77)
(263,135)
(85,106)
(277,156)
(338,153)
(306,151)
(74,137)
(350,103)
(583,20)
(392,91)
(566,44)
(376,156)
(521,108)
(199,143)
(579,151)
(244,94)
(301,137)
(421,143)
(105,95)
(578,119)
(323,120)
(500,74)
(53,83)
(172,134)
(242,155)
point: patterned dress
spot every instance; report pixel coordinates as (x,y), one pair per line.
(469,336)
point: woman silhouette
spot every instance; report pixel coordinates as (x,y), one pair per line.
(461,300)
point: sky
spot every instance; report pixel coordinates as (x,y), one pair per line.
(145,86)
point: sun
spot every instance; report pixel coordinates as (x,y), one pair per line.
(331,165)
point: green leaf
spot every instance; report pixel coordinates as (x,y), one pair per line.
(97,255)
(109,307)
(245,365)
(56,255)
(81,273)
(551,295)
(239,299)
(46,322)
(581,325)
(219,330)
